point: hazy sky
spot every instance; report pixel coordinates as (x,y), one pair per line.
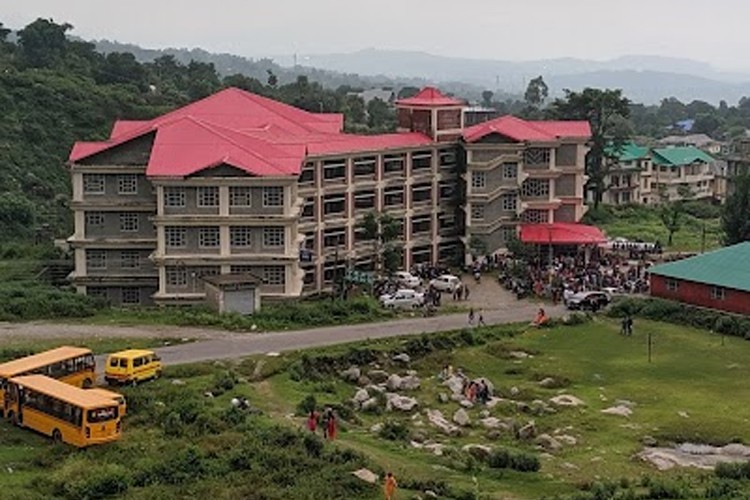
(713,31)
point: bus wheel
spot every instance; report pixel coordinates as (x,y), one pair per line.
(57,436)
(87,383)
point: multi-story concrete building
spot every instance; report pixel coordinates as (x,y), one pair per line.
(681,170)
(738,163)
(241,184)
(629,177)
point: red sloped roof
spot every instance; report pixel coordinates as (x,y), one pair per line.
(561,233)
(250,132)
(531,131)
(430,96)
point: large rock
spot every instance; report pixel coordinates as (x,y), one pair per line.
(352,374)
(493,402)
(478,451)
(461,417)
(437,419)
(376,428)
(398,402)
(435,448)
(566,439)
(548,383)
(619,410)
(466,403)
(443,397)
(455,384)
(375,389)
(410,383)
(360,397)
(494,423)
(366,475)
(393,383)
(566,400)
(528,431)
(402,358)
(548,442)
(378,376)
(370,404)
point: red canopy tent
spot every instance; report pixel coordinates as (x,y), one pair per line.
(561,233)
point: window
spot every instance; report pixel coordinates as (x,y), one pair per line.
(365,199)
(274,275)
(615,180)
(95,219)
(421,193)
(478,180)
(364,167)
(239,196)
(672,285)
(446,221)
(176,276)
(308,209)
(335,236)
(93,183)
(127,184)
(510,170)
(174,196)
(447,159)
(509,233)
(130,259)
(273,236)
(421,161)
(537,156)
(241,269)
(393,164)
(625,197)
(536,216)
(334,204)
(446,190)
(334,169)
(509,202)
(477,211)
(208,237)
(718,293)
(131,296)
(208,196)
(273,196)
(99,292)
(421,224)
(96,259)
(175,237)
(307,175)
(393,196)
(240,236)
(535,188)
(129,222)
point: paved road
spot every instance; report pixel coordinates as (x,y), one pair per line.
(237,346)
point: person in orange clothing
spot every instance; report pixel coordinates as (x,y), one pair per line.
(331,426)
(312,421)
(390,486)
(541,318)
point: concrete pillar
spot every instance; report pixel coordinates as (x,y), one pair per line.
(224,201)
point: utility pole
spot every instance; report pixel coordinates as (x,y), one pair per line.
(650,343)
(703,237)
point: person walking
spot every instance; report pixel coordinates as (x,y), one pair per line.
(480,320)
(389,488)
(471,316)
(466,292)
(332,426)
(325,421)
(312,421)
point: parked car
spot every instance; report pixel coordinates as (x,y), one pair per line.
(403,299)
(588,300)
(445,283)
(407,279)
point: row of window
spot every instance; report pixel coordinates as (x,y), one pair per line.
(479,177)
(367,165)
(129,221)
(508,203)
(209,236)
(128,259)
(127,184)
(716,293)
(129,296)
(183,276)
(208,196)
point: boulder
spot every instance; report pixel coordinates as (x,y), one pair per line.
(548,442)
(491,422)
(443,397)
(393,383)
(402,358)
(360,397)
(484,414)
(566,400)
(363,381)
(412,372)
(461,417)
(620,410)
(376,428)
(649,441)
(478,451)
(518,354)
(437,419)
(366,475)
(514,391)
(493,435)
(493,402)
(430,494)
(435,448)
(375,389)
(528,431)
(352,374)
(466,403)
(378,376)
(548,383)
(566,439)
(410,383)
(398,402)
(370,404)
(458,397)
(455,384)
(178,382)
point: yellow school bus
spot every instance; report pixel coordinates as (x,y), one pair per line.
(132,367)
(72,365)
(65,413)
(114,396)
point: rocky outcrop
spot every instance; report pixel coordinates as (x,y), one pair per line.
(352,374)
(566,400)
(619,410)
(398,402)
(378,376)
(528,431)
(461,417)
(437,419)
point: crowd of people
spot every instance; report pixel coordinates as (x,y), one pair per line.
(327,422)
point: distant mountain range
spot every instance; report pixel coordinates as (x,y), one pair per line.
(643,78)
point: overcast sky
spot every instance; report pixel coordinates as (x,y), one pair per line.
(713,31)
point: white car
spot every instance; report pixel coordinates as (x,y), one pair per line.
(445,283)
(407,279)
(403,299)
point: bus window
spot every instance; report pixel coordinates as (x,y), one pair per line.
(114,362)
(101,415)
(123,363)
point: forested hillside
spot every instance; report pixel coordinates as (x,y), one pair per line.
(55,90)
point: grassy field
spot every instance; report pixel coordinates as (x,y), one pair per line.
(692,390)
(643,223)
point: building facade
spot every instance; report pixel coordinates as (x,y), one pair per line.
(629,177)
(240,184)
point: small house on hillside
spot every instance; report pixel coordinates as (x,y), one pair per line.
(718,280)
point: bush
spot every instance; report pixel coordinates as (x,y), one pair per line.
(506,459)
(664,489)
(735,471)
(80,478)
(308,404)
(394,431)
(223,381)
(22,301)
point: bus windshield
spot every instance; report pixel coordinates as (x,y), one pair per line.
(101,414)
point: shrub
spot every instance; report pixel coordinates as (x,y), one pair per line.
(735,471)
(80,478)
(313,445)
(394,431)
(223,381)
(308,404)
(664,489)
(506,459)
(22,301)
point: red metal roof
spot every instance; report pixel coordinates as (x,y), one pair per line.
(258,135)
(561,233)
(531,131)
(430,96)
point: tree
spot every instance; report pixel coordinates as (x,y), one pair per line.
(273,80)
(478,246)
(735,218)
(607,112)
(407,92)
(671,215)
(378,113)
(4,32)
(536,92)
(43,43)
(383,230)
(487,98)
